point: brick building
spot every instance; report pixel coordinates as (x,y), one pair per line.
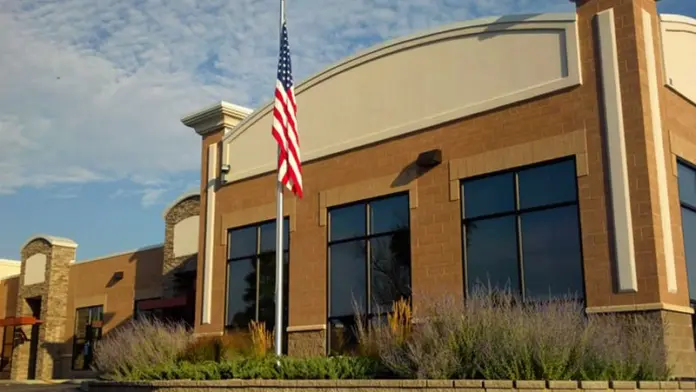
(551,154)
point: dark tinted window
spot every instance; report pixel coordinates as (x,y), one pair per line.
(242,242)
(347,222)
(689,227)
(491,254)
(369,264)
(488,195)
(251,276)
(551,253)
(548,184)
(389,215)
(348,276)
(241,292)
(687,197)
(390,270)
(687,184)
(524,220)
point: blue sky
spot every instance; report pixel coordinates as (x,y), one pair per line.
(91,146)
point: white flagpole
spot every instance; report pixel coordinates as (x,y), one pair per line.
(279,242)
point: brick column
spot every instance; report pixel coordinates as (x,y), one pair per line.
(43,290)
(622,38)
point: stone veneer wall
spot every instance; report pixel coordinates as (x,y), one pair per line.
(186,208)
(391,386)
(53,293)
(307,343)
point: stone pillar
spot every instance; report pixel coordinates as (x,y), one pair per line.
(181,228)
(43,292)
(622,59)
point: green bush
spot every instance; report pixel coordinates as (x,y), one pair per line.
(493,336)
(260,368)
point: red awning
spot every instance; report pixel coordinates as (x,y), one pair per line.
(21,320)
(162,303)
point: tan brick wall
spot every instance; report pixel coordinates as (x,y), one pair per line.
(92,284)
(8,296)
(566,123)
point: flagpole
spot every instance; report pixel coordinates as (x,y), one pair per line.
(279,241)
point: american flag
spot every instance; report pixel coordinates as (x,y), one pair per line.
(285,122)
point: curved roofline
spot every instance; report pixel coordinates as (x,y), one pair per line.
(182,197)
(53,240)
(392,45)
(677,18)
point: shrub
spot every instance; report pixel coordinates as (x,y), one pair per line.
(262,339)
(261,368)
(493,336)
(218,348)
(138,345)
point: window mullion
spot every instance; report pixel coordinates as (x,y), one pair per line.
(518,229)
(258,271)
(368,262)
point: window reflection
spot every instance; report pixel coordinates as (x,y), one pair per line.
(251,274)
(521,232)
(551,253)
(491,254)
(369,258)
(489,195)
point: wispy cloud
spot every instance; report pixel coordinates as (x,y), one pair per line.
(92,91)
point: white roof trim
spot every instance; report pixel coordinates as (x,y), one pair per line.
(212,113)
(8,277)
(125,252)
(53,240)
(677,18)
(10,262)
(182,197)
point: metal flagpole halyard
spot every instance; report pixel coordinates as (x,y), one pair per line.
(279,239)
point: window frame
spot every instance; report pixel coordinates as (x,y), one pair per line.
(86,366)
(257,260)
(684,205)
(517,213)
(368,315)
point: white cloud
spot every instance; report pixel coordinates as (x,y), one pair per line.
(93,91)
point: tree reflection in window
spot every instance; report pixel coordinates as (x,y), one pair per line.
(369,255)
(251,277)
(522,233)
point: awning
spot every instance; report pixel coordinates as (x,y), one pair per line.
(162,303)
(17,321)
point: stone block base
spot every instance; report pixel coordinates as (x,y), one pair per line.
(307,343)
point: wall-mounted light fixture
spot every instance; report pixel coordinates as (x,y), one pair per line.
(429,159)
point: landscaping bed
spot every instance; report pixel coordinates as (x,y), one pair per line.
(390,386)
(489,337)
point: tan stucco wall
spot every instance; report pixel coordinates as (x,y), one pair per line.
(679,48)
(414,83)
(9,268)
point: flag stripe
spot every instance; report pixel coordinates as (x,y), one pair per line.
(284,129)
